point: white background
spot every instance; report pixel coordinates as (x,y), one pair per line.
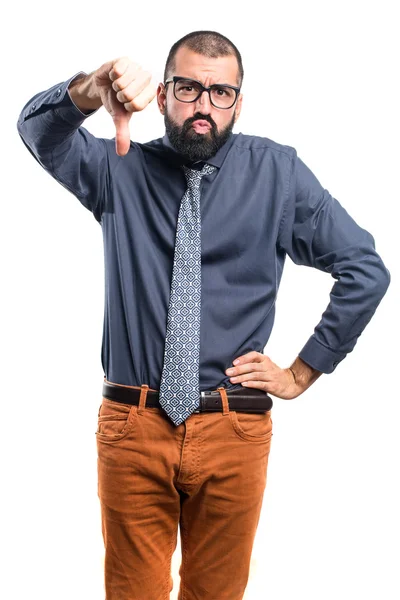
(318,76)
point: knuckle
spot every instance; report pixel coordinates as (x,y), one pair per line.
(121,66)
(137,104)
(134,66)
(125,61)
(128,107)
(117,70)
(121,97)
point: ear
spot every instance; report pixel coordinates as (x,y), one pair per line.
(238,107)
(161,97)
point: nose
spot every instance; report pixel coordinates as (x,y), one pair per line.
(203,103)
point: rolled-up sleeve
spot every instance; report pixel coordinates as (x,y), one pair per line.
(316,231)
(50,127)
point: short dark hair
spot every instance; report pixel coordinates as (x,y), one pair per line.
(208,43)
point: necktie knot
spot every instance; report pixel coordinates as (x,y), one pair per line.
(193,176)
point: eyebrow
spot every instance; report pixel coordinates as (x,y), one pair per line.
(199,81)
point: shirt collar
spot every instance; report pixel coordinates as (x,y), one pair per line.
(215,160)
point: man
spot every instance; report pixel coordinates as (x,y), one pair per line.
(196,227)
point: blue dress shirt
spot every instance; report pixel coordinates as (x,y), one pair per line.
(261,204)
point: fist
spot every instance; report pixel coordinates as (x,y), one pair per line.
(124,88)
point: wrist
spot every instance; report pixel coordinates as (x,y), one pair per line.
(293,373)
(83,93)
(303,374)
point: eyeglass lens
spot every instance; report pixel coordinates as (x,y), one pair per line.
(187,90)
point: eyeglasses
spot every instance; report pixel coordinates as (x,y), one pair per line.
(190,90)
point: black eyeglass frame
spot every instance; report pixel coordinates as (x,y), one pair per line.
(176,78)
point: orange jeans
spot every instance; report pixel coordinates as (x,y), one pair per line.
(206,475)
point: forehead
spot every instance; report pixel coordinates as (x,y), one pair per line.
(223,69)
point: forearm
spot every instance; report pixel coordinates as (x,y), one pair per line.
(83,93)
(303,374)
(49,122)
(50,127)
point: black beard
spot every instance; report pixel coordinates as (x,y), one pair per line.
(195,146)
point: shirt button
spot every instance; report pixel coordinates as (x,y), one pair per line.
(33,106)
(58,92)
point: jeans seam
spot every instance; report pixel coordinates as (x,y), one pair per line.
(184,552)
(168,576)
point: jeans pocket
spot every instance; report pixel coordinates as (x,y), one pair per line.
(252,427)
(114,420)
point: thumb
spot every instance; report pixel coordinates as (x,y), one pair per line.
(122,138)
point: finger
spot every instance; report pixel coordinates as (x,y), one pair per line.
(132,72)
(253,355)
(142,100)
(260,385)
(255,375)
(119,66)
(122,137)
(240,369)
(135,87)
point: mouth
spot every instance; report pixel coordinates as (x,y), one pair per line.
(201,126)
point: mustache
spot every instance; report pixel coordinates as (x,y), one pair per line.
(188,123)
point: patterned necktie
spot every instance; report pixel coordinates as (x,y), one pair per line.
(179,387)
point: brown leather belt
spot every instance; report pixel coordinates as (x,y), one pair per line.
(251,400)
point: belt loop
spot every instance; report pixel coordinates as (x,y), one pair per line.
(142,400)
(224,398)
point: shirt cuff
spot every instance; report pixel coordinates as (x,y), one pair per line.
(320,357)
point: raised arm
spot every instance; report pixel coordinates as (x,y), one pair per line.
(50,126)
